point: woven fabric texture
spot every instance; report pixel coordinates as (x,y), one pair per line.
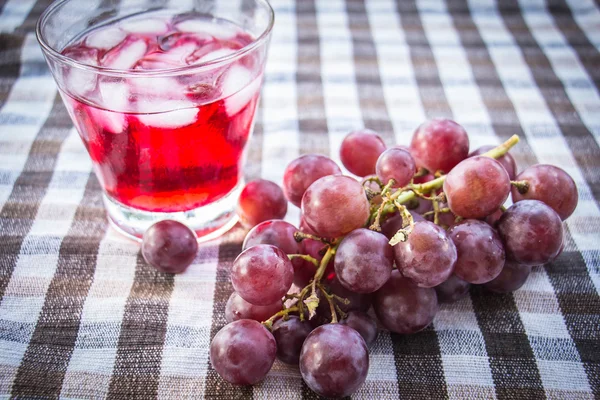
(82,315)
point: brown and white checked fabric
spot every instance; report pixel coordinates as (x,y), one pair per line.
(82,316)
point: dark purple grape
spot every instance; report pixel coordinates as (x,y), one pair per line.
(260,201)
(262,274)
(359,151)
(169,246)
(404,307)
(532,232)
(334,360)
(335,205)
(238,308)
(392,224)
(357,301)
(551,185)
(363,324)
(512,277)
(290,335)
(243,352)
(452,290)
(445,219)
(493,218)
(303,171)
(477,187)
(364,261)
(396,164)
(428,255)
(480,251)
(507,160)
(439,144)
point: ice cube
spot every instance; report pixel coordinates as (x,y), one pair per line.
(183,113)
(179,38)
(80,81)
(114,103)
(106,38)
(126,55)
(213,55)
(238,87)
(156,87)
(211,26)
(148,26)
(175,57)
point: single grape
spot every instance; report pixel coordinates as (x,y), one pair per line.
(335,205)
(480,251)
(238,308)
(169,246)
(550,185)
(452,289)
(303,171)
(507,160)
(512,277)
(304,226)
(364,261)
(396,164)
(439,145)
(477,187)
(290,335)
(359,151)
(532,232)
(427,256)
(392,224)
(243,352)
(356,301)
(334,360)
(404,307)
(260,201)
(262,274)
(363,324)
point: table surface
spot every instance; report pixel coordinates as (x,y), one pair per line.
(82,316)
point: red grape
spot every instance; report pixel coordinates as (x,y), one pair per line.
(493,218)
(260,201)
(262,274)
(303,171)
(480,251)
(404,307)
(550,185)
(334,360)
(507,160)
(243,352)
(396,164)
(316,249)
(512,277)
(532,232)
(335,205)
(452,290)
(238,308)
(477,187)
(445,219)
(169,246)
(428,255)
(363,261)
(290,335)
(360,150)
(439,144)
(363,324)
(304,226)
(392,224)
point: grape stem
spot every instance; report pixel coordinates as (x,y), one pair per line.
(300,236)
(522,186)
(329,299)
(269,323)
(305,257)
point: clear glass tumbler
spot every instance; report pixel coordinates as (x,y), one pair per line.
(163,94)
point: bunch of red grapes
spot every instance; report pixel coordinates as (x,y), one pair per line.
(424,224)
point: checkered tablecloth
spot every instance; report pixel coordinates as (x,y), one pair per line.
(82,316)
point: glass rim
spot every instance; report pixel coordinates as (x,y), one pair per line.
(53,53)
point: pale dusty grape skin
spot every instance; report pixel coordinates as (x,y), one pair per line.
(303,171)
(261,200)
(404,307)
(477,187)
(507,160)
(439,144)
(364,261)
(428,255)
(262,274)
(532,233)
(243,352)
(238,308)
(480,251)
(334,360)
(169,246)
(396,164)
(363,324)
(290,336)
(550,185)
(359,151)
(452,290)
(335,205)
(512,277)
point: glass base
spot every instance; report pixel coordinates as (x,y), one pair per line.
(209,221)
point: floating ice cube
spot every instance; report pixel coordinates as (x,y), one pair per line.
(213,27)
(115,97)
(125,56)
(184,113)
(238,80)
(213,55)
(175,57)
(153,26)
(105,39)
(157,87)
(80,81)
